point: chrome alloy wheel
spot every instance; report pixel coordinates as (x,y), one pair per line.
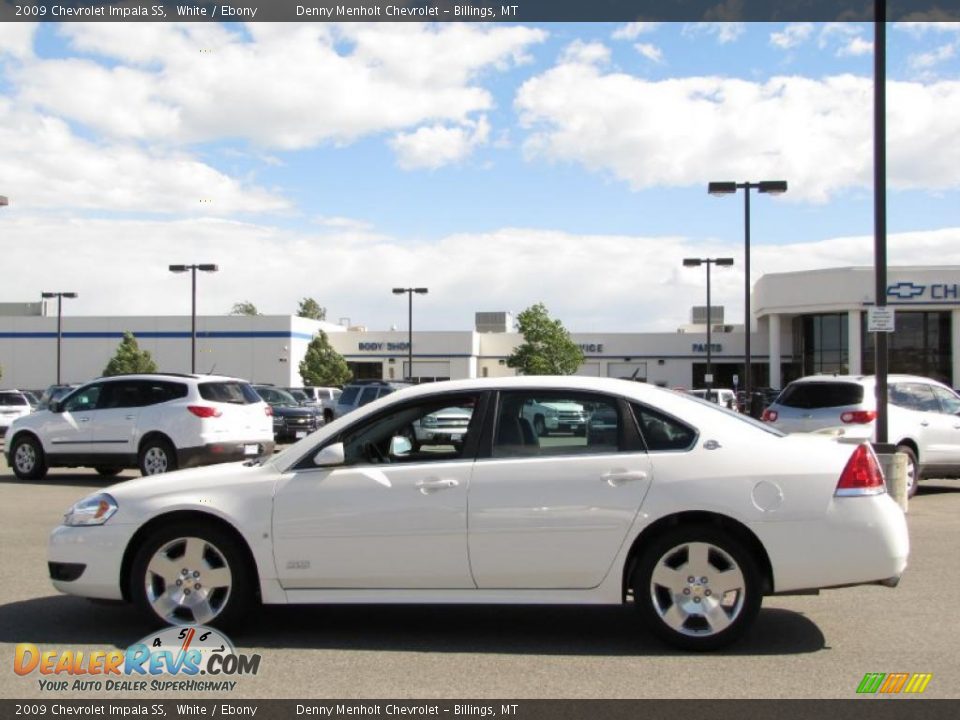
(155,460)
(697,589)
(25,458)
(188,580)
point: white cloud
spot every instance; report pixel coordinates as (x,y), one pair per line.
(587,53)
(927,60)
(921,28)
(855,47)
(16,39)
(45,164)
(288,87)
(649,51)
(724,32)
(602,268)
(792,35)
(437,145)
(817,134)
(631,31)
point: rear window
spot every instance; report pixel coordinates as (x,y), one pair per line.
(349,395)
(237,393)
(812,395)
(12,399)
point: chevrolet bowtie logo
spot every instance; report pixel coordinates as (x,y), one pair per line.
(905,290)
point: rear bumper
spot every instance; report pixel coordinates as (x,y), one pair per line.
(220,452)
(863,541)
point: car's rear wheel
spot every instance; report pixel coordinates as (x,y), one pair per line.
(29,462)
(157,456)
(697,588)
(188,574)
(107,471)
(913,469)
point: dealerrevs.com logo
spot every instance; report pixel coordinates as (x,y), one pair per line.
(197,658)
(894,683)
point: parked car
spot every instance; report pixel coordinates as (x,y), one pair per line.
(721,396)
(446,426)
(154,422)
(324,397)
(547,415)
(55,392)
(13,404)
(688,512)
(291,420)
(923,417)
(360,392)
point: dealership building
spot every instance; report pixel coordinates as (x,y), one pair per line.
(804,322)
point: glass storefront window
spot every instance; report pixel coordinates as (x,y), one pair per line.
(821,343)
(920,345)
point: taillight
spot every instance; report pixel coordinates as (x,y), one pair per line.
(858,416)
(769,416)
(862,475)
(268,411)
(204,411)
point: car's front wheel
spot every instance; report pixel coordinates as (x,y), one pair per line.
(188,574)
(157,456)
(913,469)
(29,462)
(697,588)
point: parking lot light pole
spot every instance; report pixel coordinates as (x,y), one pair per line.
(769,187)
(203,267)
(410,291)
(59,296)
(697,262)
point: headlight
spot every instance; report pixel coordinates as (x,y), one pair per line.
(92,510)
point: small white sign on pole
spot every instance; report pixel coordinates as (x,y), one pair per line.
(708,377)
(880,319)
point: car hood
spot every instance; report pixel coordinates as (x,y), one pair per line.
(191,482)
(289,411)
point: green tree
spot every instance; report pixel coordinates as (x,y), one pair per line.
(310,308)
(322,365)
(547,348)
(129,358)
(244,308)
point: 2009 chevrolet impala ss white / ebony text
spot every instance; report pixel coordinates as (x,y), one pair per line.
(687,510)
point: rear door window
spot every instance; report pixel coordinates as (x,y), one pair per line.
(237,393)
(812,395)
(914,396)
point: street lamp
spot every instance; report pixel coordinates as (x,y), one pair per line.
(410,291)
(204,267)
(770,187)
(59,296)
(697,262)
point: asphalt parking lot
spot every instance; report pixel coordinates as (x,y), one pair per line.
(800,647)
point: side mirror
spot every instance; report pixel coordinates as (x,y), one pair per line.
(330,456)
(400,445)
(55,406)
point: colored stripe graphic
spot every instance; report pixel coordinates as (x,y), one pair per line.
(871,683)
(893,683)
(918,683)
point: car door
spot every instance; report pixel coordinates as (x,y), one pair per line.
(948,426)
(389,517)
(915,413)
(69,432)
(114,420)
(552,511)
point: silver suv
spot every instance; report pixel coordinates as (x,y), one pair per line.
(923,417)
(360,392)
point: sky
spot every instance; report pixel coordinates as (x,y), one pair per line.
(498,165)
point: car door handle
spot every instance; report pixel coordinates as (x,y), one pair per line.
(434,484)
(619,477)
(84,419)
(924,423)
(131,417)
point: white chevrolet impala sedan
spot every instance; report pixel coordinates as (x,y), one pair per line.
(687,511)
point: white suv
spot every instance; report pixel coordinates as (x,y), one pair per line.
(923,417)
(13,404)
(157,422)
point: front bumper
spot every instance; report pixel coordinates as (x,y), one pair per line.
(98,549)
(220,452)
(293,428)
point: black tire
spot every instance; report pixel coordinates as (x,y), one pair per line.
(539,426)
(913,469)
(690,628)
(156,456)
(107,471)
(220,550)
(27,458)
